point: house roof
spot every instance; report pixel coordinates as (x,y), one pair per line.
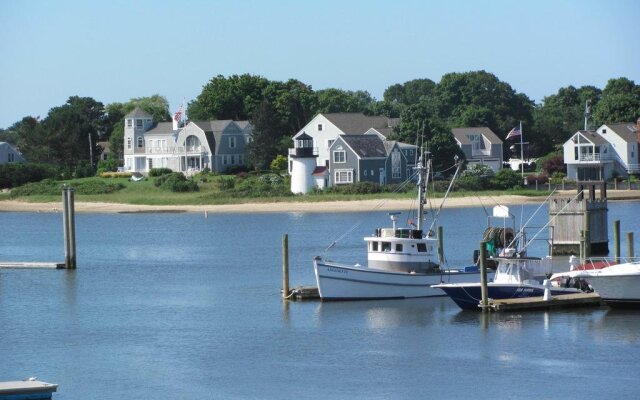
(138,113)
(461,134)
(365,146)
(358,123)
(161,128)
(320,171)
(304,136)
(592,136)
(626,130)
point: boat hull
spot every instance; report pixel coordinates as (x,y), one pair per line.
(618,291)
(467,296)
(344,282)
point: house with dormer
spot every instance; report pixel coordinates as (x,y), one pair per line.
(611,150)
(9,154)
(480,146)
(216,145)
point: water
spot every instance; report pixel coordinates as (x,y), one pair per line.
(178,306)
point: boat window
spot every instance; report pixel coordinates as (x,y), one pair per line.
(398,247)
(374,246)
(386,246)
(422,247)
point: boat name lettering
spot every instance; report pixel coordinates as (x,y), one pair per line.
(340,271)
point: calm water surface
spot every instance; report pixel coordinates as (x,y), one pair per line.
(178,306)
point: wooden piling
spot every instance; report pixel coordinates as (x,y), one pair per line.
(484,304)
(285,266)
(630,252)
(587,236)
(69,227)
(440,246)
(616,240)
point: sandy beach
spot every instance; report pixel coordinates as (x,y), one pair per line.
(329,206)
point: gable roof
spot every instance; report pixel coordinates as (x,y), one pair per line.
(461,134)
(138,113)
(161,128)
(591,136)
(626,130)
(358,123)
(365,146)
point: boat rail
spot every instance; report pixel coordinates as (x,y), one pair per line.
(403,233)
(604,262)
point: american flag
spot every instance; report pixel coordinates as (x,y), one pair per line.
(513,133)
(178,116)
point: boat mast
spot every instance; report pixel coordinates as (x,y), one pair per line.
(422,169)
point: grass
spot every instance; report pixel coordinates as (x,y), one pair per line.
(213,191)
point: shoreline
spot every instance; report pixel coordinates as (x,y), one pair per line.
(309,207)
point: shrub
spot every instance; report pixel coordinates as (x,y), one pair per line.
(532,179)
(14,175)
(279,163)
(225,182)
(52,188)
(115,174)
(109,165)
(154,172)
(176,182)
(472,183)
(554,164)
(506,178)
(557,178)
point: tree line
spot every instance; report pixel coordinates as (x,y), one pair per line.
(67,137)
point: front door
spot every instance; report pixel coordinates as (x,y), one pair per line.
(381,173)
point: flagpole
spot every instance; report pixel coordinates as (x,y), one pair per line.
(521,151)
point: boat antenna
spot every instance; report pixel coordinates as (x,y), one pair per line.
(458,168)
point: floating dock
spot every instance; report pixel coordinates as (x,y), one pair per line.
(26,390)
(538,303)
(30,265)
(304,293)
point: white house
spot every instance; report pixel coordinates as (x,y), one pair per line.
(9,154)
(611,150)
(217,145)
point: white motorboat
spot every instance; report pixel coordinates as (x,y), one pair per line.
(618,285)
(402,262)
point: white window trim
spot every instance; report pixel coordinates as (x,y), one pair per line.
(337,173)
(344,156)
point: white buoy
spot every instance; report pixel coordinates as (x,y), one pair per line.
(547,290)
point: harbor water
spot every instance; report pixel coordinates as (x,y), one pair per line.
(179,306)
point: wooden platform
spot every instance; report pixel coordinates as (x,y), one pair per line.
(28,265)
(27,390)
(537,303)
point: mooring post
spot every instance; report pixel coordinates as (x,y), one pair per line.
(630,252)
(484,304)
(285,266)
(616,240)
(69,224)
(582,247)
(587,234)
(440,247)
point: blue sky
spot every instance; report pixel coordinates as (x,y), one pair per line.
(115,50)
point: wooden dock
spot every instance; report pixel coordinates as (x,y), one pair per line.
(30,265)
(30,389)
(537,303)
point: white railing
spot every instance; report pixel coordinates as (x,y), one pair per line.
(173,150)
(480,152)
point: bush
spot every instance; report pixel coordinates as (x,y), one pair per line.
(115,175)
(553,163)
(176,182)
(109,165)
(506,178)
(14,175)
(279,163)
(532,179)
(225,182)
(472,183)
(557,178)
(53,188)
(154,172)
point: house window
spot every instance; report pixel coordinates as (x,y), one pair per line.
(395,164)
(233,159)
(129,143)
(224,160)
(10,157)
(320,127)
(339,156)
(575,149)
(129,123)
(232,142)
(138,123)
(150,163)
(604,131)
(343,176)
(140,142)
(365,172)
(330,142)
(373,172)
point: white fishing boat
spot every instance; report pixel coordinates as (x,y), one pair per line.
(402,262)
(618,285)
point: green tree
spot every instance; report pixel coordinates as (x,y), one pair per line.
(620,102)
(294,102)
(410,92)
(343,101)
(265,137)
(233,98)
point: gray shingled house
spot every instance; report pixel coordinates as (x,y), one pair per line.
(480,146)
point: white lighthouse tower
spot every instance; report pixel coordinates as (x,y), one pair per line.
(302,163)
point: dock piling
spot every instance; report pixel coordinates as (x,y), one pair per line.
(484,304)
(69,227)
(440,246)
(285,266)
(616,240)
(630,252)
